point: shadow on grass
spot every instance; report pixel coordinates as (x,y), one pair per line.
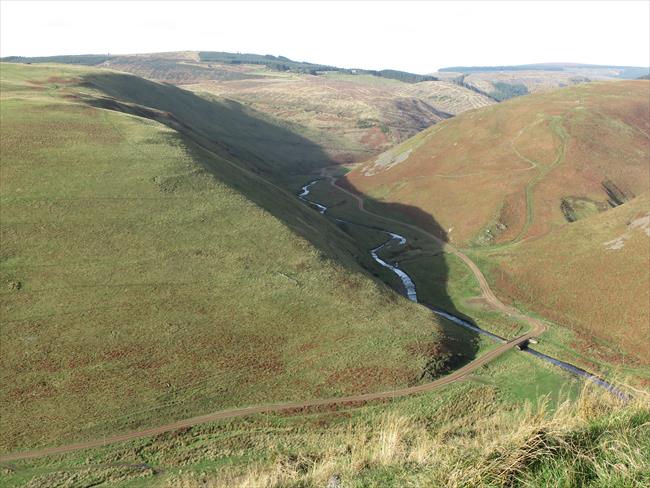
(423,260)
(230,129)
(254,154)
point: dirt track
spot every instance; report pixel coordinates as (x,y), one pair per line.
(274,408)
(536,328)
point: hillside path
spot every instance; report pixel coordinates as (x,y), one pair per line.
(459,374)
(536,328)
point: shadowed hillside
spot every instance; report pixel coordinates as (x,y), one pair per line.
(225,126)
(141,284)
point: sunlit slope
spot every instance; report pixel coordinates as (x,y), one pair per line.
(591,275)
(518,169)
(138,287)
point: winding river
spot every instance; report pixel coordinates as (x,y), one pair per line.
(409,287)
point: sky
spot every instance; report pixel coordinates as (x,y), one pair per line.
(419,36)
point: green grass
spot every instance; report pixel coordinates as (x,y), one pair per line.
(521,377)
(441,279)
(151,287)
(484,432)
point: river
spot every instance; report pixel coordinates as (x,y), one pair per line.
(409,287)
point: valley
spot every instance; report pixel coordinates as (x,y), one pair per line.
(565,173)
(220,271)
(350,114)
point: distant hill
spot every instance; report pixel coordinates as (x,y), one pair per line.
(276,63)
(622,72)
(84,59)
(504,82)
(352,114)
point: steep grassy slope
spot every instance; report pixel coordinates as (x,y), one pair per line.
(592,275)
(531,184)
(139,282)
(503,173)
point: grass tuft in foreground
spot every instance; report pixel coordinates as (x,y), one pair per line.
(596,441)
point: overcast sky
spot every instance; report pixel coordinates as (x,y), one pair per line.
(412,36)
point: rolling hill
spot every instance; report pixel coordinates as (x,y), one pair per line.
(157,264)
(140,283)
(515,181)
(538,159)
(351,114)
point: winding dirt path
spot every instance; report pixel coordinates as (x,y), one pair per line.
(536,328)
(274,408)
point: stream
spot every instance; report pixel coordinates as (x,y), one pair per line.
(409,287)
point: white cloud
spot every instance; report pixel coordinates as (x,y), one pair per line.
(413,36)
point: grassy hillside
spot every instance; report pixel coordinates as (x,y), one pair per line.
(536,186)
(350,114)
(536,160)
(604,256)
(140,284)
